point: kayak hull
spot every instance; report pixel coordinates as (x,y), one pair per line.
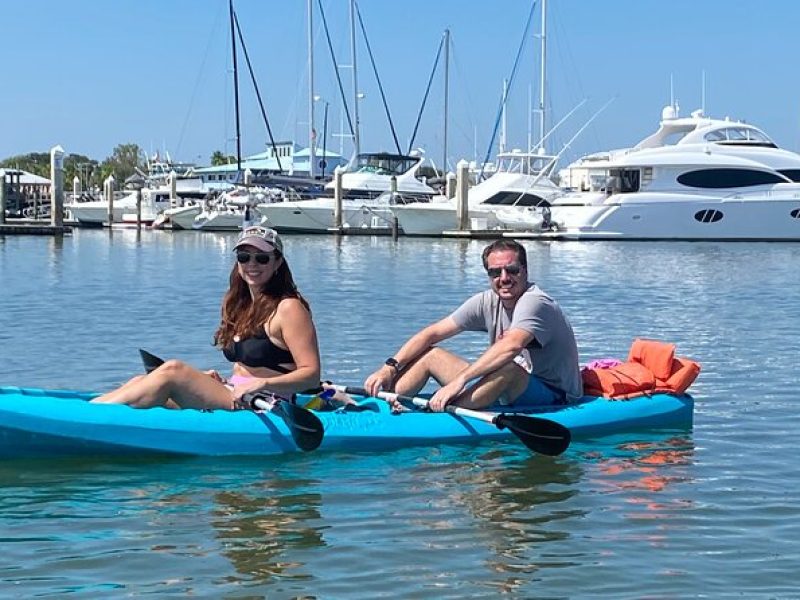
(47,423)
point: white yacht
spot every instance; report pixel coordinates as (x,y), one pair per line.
(231,211)
(366,184)
(88,210)
(695,178)
(520,181)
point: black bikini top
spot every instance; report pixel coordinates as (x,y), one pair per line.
(259,351)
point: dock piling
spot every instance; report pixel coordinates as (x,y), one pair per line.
(57,186)
(337,198)
(2,196)
(462,187)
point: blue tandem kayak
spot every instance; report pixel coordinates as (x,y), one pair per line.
(37,422)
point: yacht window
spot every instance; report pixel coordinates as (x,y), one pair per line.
(793,174)
(739,136)
(516,199)
(628,180)
(728,178)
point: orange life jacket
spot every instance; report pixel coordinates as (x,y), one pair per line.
(651,367)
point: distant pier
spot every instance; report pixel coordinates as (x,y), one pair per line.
(31,227)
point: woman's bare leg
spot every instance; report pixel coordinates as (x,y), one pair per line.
(173,381)
(108,398)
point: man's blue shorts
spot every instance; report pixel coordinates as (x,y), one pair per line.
(537,394)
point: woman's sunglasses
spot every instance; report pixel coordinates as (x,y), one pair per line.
(495,272)
(262,258)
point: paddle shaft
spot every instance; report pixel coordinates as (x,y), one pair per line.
(421,402)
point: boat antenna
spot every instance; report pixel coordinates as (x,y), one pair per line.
(703,91)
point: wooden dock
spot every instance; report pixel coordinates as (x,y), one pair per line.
(33,229)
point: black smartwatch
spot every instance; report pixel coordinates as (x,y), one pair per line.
(392,362)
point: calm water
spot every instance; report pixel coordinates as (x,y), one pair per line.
(711,512)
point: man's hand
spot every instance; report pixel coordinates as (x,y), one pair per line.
(446,394)
(381,379)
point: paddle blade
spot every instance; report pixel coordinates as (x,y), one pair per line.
(150,361)
(540,435)
(306,428)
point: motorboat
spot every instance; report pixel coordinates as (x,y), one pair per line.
(520,183)
(695,178)
(230,211)
(367,184)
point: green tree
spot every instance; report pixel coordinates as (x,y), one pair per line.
(37,163)
(86,169)
(218,158)
(123,162)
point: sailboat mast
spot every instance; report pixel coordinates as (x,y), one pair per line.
(235,91)
(446,93)
(357,125)
(311,132)
(543,74)
(504,122)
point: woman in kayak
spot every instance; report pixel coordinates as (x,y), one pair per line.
(266,331)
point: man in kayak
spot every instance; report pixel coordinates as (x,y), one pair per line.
(532,358)
(265,330)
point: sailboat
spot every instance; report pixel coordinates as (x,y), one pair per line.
(371,182)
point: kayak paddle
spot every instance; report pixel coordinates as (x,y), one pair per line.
(306,428)
(151,361)
(540,435)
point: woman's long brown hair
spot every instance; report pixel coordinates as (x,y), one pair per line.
(242,316)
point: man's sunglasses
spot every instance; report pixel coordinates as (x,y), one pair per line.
(495,272)
(262,258)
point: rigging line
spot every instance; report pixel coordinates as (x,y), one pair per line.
(425,97)
(336,69)
(470,104)
(506,91)
(258,93)
(197,84)
(235,91)
(377,78)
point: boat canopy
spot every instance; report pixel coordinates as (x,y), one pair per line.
(382,163)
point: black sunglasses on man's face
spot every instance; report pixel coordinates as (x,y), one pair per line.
(512,269)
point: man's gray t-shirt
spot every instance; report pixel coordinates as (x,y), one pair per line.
(553,353)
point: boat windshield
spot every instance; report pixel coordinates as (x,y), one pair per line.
(527,164)
(383,164)
(739,135)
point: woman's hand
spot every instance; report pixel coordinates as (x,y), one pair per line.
(248,387)
(215,376)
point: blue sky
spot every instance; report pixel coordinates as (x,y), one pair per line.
(90,74)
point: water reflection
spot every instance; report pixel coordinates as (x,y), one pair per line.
(265,527)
